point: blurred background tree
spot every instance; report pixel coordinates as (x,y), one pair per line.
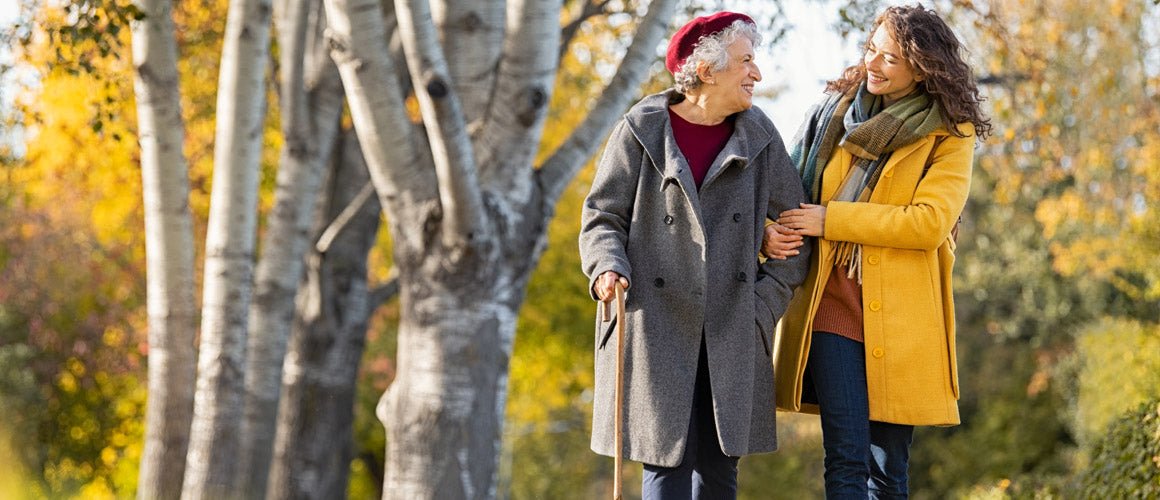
(1052,286)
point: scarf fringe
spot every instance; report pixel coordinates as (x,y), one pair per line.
(849,255)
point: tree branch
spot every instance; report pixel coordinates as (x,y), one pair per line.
(344,218)
(473,32)
(383,293)
(591,9)
(292,18)
(527,74)
(459,194)
(395,42)
(563,164)
(1001,78)
(358,42)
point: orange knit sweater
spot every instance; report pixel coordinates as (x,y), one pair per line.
(840,310)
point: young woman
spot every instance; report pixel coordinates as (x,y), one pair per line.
(869,340)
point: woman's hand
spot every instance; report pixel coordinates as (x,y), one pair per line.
(780,242)
(809,220)
(605,283)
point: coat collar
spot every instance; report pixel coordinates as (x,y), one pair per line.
(902,153)
(649,122)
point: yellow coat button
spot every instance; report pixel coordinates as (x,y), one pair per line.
(873,259)
(878,352)
(875,305)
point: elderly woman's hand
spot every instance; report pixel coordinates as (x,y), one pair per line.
(604,285)
(809,220)
(780,242)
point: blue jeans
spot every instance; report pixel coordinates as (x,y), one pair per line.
(864,459)
(705,471)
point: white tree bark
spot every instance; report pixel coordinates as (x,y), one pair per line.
(213,458)
(169,253)
(464,263)
(358,39)
(459,193)
(314,445)
(311,95)
(474,31)
(467,214)
(526,77)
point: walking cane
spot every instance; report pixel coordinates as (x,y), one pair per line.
(617,429)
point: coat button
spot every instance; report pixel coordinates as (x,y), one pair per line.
(741,276)
(669,219)
(659,282)
(878,352)
(875,305)
(873,259)
(737,217)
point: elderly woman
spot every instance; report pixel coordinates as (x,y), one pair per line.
(676,215)
(869,341)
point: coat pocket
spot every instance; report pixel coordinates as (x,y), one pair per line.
(763,337)
(604,330)
(946,261)
(765,322)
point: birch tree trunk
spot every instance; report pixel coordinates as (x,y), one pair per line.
(314,445)
(213,458)
(311,105)
(467,213)
(169,253)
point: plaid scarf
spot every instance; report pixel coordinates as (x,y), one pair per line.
(857,122)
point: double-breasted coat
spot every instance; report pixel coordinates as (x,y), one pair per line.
(907,305)
(691,258)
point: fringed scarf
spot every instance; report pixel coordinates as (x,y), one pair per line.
(857,122)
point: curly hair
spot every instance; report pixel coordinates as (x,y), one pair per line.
(712,50)
(930,47)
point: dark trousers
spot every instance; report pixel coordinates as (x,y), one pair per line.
(705,471)
(864,459)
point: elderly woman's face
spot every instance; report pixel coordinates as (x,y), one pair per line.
(888,74)
(732,87)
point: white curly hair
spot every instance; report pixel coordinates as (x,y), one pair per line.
(712,50)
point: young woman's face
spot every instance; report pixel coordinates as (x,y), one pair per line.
(887,73)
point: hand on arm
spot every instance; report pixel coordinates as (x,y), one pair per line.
(780,242)
(807,220)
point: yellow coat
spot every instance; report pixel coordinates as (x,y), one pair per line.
(908,308)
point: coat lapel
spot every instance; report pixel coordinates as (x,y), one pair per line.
(651,126)
(734,154)
(750,136)
(900,154)
(676,169)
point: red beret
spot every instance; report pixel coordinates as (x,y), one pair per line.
(685,40)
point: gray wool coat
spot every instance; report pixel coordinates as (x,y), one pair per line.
(691,259)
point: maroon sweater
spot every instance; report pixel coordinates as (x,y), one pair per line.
(700,143)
